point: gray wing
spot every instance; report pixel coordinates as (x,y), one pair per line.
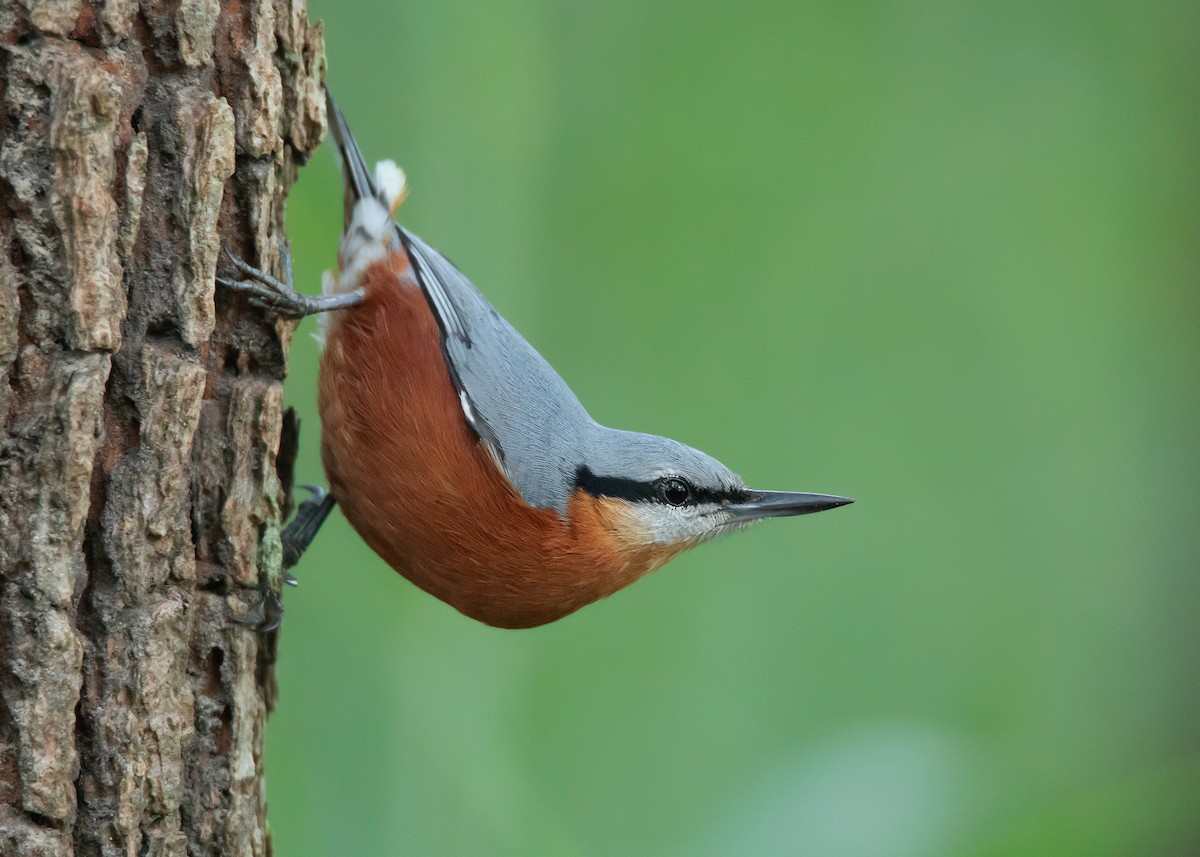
(513,398)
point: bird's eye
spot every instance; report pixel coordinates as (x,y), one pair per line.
(674,492)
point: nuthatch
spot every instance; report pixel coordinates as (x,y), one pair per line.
(461,457)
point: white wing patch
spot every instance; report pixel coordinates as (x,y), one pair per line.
(468,411)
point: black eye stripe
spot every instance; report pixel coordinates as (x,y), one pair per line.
(636,491)
(614,486)
(724,495)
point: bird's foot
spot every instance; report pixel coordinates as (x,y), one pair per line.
(278,296)
(267,613)
(303,528)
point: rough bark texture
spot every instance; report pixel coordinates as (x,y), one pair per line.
(141,478)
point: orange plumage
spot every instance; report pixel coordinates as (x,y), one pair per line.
(429,498)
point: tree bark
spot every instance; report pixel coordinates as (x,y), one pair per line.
(142,478)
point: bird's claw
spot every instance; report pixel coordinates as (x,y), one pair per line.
(267,292)
(317,491)
(278,296)
(266,615)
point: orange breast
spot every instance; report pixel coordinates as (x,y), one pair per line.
(422,491)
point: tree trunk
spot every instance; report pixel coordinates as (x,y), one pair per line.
(142,481)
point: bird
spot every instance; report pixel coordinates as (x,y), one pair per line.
(459,454)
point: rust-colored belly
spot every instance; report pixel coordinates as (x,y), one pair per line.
(414,481)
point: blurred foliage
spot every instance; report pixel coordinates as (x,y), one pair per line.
(938,256)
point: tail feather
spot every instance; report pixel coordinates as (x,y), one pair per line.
(358,181)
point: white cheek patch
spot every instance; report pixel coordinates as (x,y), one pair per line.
(669,525)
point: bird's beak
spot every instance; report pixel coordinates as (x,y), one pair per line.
(783,504)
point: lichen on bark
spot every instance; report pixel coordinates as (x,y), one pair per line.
(140,415)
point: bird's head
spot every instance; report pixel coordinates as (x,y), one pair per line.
(668,495)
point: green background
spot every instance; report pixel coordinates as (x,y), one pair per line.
(937,256)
